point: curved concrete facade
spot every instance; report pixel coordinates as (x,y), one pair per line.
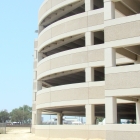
(86,64)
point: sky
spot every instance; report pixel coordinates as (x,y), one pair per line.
(18,22)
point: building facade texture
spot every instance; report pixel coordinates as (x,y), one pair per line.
(87,63)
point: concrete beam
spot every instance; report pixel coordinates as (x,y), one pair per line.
(124,113)
(61,74)
(45,111)
(134,49)
(126,53)
(132,5)
(49,113)
(123,9)
(128,98)
(65,79)
(48,85)
(59,13)
(75,77)
(73,113)
(72,45)
(79,42)
(63,42)
(112,0)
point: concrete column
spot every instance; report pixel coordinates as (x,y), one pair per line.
(59,119)
(118,119)
(109,10)
(38,117)
(33,118)
(138,112)
(35,75)
(40,28)
(35,54)
(89,5)
(89,74)
(39,85)
(34,96)
(111,110)
(138,60)
(35,64)
(40,56)
(34,85)
(89,38)
(90,114)
(110,57)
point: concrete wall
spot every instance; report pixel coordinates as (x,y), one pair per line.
(78,132)
(119,31)
(48,6)
(117,135)
(125,80)
(64,27)
(72,57)
(69,93)
(123,132)
(122,31)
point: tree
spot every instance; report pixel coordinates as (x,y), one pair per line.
(22,114)
(4,116)
(27,113)
(16,115)
(99,119)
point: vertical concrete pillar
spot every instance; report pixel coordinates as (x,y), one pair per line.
(59,119)
(34,96)
(89,38)
(35,54)
(38,117)
(138,60)
(109,10)
(40,28)
(35,75)
(34,85)
(35,64)
(39,85)
(110,57)
(118,119)
(33,118)
(89,5)
(40,56)
(34,89)
(89,74)
(35,44)
(111,110)
(138,112)
(90,114)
